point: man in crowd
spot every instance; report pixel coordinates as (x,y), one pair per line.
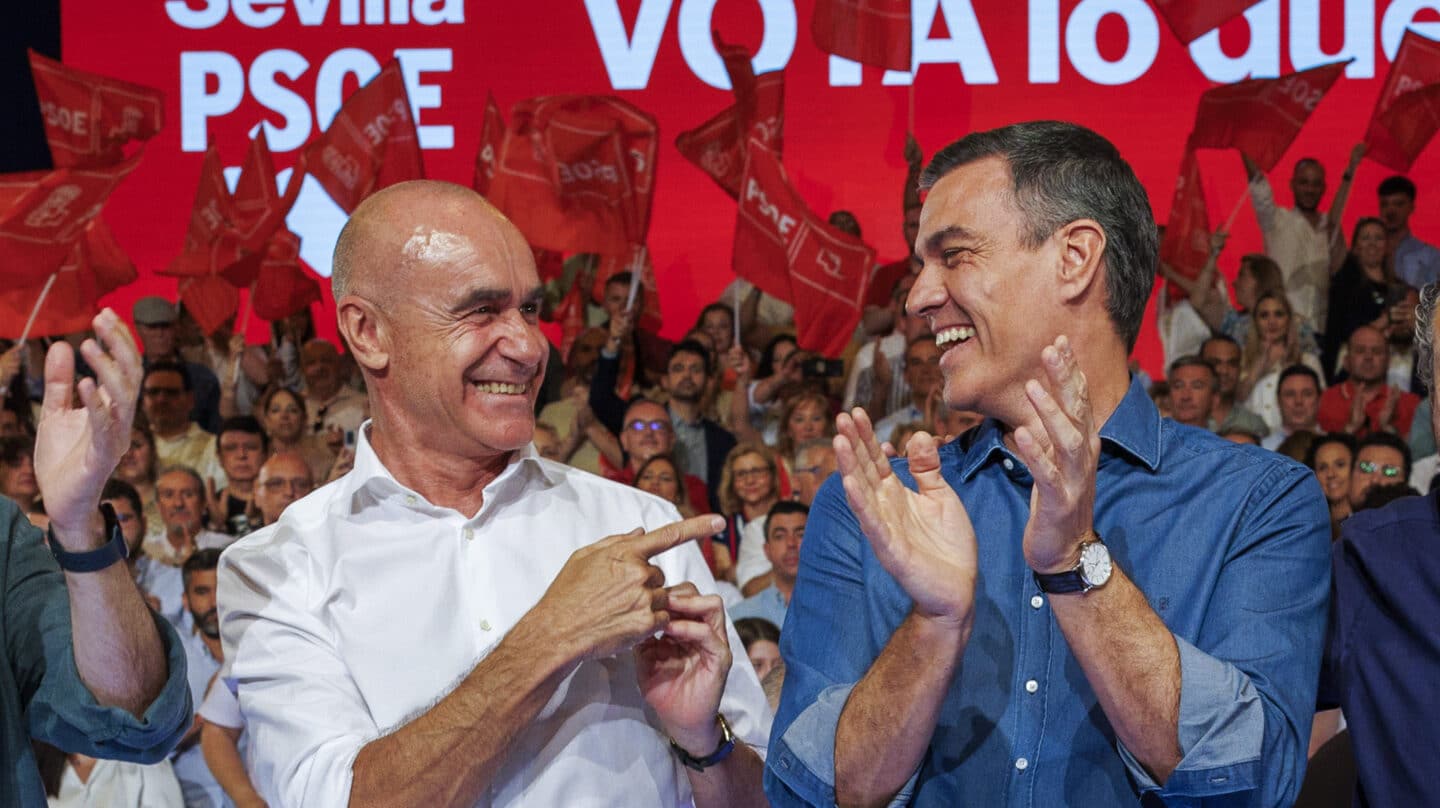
(200,634)
(1302,239)
(1365,402)
(814,462)
(784,531)
(1416,262)
(1385,596)
(1193,386)
(334,407)
(450,542)
(1380,459)
(284,478)
(872,382)
(85,666)
(1060,660)
(1226,413)
(647,432)
(922,376)
(167,394)
(181,497)
(241,446)
(155,323)
(1299,395)
(160,583)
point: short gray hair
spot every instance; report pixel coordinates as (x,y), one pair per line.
(1063,172)
(1425,335)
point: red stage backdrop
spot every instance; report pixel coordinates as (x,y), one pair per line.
(225,66)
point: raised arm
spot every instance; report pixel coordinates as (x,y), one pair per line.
(1337,208)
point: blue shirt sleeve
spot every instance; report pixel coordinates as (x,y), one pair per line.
(1248,700)
(60,709)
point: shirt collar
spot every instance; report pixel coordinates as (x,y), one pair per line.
(1133,429)
(369,474)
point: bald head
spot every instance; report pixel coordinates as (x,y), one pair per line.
(407,221)
(284,478)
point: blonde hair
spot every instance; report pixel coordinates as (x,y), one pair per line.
(730,503)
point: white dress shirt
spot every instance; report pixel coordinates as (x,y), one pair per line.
(118,784)
(1301,249)
(365,605)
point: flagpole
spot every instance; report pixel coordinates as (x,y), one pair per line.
(636,267)
(1239,203)
(244,326)
(736,319)
(40,301)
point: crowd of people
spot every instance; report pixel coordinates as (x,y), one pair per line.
(1312,355)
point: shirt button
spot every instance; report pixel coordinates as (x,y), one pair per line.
(1021,764)
(1036,602)
(468,533)
(484,625)
(1008,464)
(410,499)
(1032,686)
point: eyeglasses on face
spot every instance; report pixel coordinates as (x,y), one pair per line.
(652,426)
(1367,467)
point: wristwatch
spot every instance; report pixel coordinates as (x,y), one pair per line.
(92,560)
(727,745)
(1091,571)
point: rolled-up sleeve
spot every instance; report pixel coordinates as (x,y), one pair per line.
(59,708)
(827,648)
(1247,699)
(306,719)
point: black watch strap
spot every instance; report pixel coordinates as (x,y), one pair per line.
(727,745)
(101,557)
(1060,583)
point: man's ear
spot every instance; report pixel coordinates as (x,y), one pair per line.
(366,331)
(1082,250)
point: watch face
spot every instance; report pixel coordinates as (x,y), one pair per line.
(1095,563)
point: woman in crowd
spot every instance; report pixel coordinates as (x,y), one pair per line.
(662,477)
(1362,290)
(1272,343)
(761,639)
(1332,457)
(803,416)
(749,485)
(17,472)
(139,467)
(754,415)
(283,415)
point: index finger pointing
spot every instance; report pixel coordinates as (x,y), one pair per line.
(675,534)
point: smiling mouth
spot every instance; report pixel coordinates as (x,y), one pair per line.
(501,388)
(954,336)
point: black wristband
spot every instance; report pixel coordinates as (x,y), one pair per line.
(727,745)
(101,557)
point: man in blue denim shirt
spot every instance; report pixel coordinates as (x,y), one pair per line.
(1136,615)
(85,665)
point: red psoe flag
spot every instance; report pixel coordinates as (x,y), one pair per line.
(213,241)
(1395,137)
(1192,19)
(1186,246)
(43,214)
(260,210)
(282,286)
(1412,122)
(210,299)
(89,118)
(782,247)
(717,146)
(872,32)
(96,266)
(371,144)
(492,139)
(1261,117)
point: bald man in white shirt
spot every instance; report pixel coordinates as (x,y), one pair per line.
(441,627)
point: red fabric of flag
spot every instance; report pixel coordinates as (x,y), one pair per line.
(210,299)
(213,241)
(577,173)
(96,266)
(1192,19)
(260,210)
(571,316)
(43,214)
(1396,136)
(717,146)
(88,118)
(1186,246)
(492,139)
(872,32)
(371,144)
(785,249)
(282,286)
(1261,117)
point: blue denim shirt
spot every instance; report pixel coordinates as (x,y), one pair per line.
(1230,545)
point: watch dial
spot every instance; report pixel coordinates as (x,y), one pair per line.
(1095,563)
